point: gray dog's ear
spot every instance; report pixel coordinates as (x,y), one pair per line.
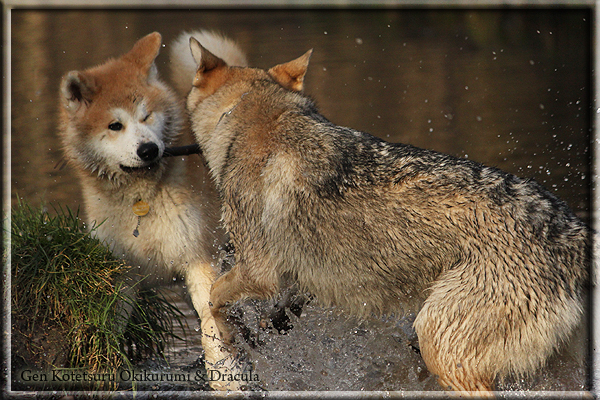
(291,74)
(205,59)
(77,89)
(207,62)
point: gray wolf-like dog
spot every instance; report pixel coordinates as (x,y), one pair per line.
(494,265)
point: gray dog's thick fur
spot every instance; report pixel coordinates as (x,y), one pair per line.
(495,265)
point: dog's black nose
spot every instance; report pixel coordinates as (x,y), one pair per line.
(148,151)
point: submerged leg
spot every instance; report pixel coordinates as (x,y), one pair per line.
(233,286)
(472,329)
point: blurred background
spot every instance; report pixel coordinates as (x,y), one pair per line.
(506,87)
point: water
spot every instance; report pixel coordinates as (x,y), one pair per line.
(509,88)
(325,350)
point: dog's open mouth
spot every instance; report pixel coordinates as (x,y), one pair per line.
(146,168)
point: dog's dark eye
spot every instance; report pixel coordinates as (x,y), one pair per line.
(146,117)
(115,126)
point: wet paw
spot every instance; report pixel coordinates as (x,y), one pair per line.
(281,321)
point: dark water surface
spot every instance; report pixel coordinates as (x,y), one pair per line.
(509,88)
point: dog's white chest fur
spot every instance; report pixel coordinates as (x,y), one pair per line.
(167,232)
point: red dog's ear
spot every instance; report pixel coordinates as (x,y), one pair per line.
(144,52)
(291,75)
(77,89)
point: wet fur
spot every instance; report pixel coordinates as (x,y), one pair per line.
(494,264)
(180,235)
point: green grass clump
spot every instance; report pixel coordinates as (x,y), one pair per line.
(64,278)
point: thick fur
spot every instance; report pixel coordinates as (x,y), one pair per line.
(117,119)
(183,66)
(495,265)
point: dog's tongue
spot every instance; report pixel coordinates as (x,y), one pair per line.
(182,150)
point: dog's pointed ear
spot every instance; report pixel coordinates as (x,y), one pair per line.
(77,89)
(291,75)
(206,60)
(143,54)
